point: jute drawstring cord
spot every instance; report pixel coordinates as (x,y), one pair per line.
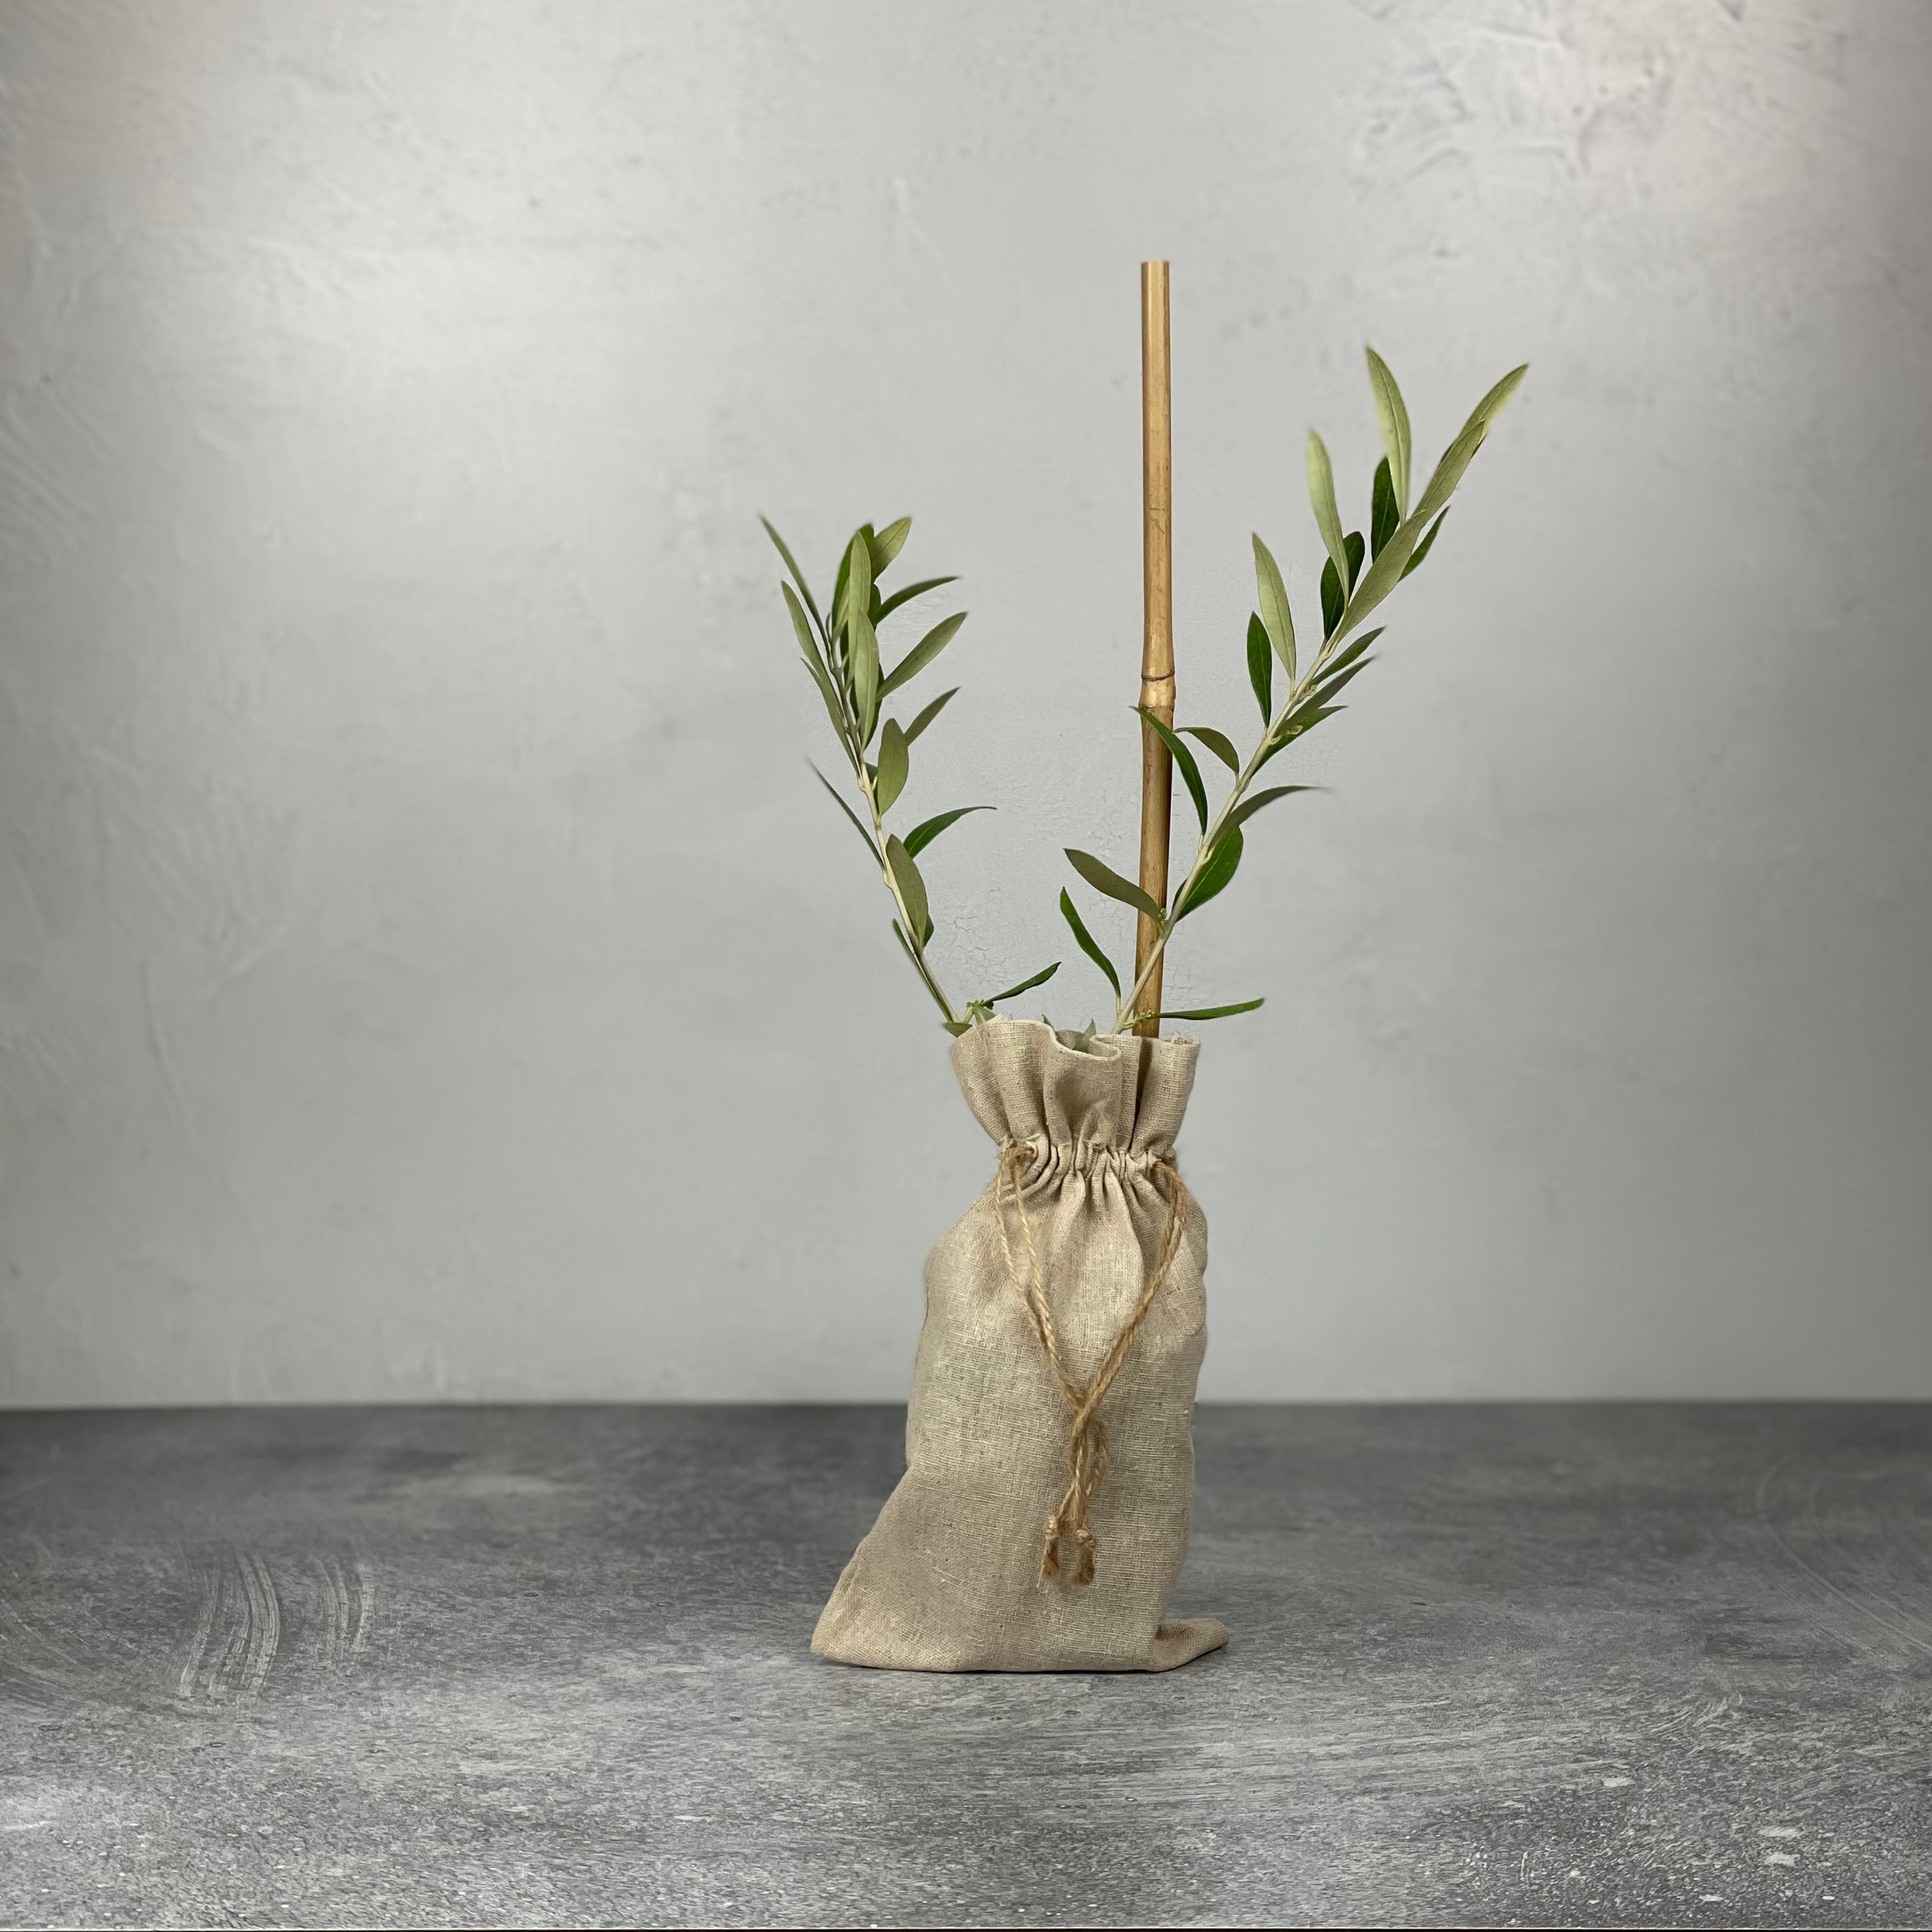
(1087,1435)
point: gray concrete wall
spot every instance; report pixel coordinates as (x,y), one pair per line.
(427,966)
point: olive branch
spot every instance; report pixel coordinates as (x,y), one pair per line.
(841,654)
(1398,541)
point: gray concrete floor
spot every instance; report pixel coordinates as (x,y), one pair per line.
(1645,1665)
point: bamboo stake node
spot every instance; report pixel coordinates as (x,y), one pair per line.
(1157,639)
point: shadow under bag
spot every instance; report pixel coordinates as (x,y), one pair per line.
(1041,1520)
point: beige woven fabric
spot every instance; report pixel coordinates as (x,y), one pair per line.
(948,1578)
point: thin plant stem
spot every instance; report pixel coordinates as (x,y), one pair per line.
(1126,1013)
(915,941)
(855,756)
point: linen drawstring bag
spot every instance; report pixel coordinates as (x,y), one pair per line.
(1041,1520)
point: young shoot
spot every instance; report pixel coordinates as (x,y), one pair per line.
(841,652)
(1399,539)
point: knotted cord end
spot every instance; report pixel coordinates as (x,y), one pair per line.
(1083,1564)
(1049,1555)
(1087,1543)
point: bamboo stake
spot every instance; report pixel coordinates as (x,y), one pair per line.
(1157,643)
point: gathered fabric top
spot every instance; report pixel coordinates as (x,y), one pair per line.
(1109,1099)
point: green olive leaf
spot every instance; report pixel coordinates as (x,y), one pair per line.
(862,647)
(834,709)
(855,597)
(1209,1012)
(1457,458)
(906,596)
(1422,549)
(838,600)
(871,851)
(1214,876)
(1448,472)
(951,1026)
(1381,576)
(931,712)
(1276,617)
(1321,494)
(894,766)
(1383,514)
(887,545)
(1493,404)
(1392,418)
(1248,807)
(923,834)
(912,887)
(1190,772)
(1218,742)
(815,661)
(1331,685)
(1039,979)
(1343,659)
(923,653)
(791,564)
(807,642)
(1086,941)
(1298,724)
(1104,879)
(1334,599)
(1260,667)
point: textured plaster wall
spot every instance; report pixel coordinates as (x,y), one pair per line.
(427,967)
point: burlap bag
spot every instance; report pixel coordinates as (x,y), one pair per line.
(1043,1517)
